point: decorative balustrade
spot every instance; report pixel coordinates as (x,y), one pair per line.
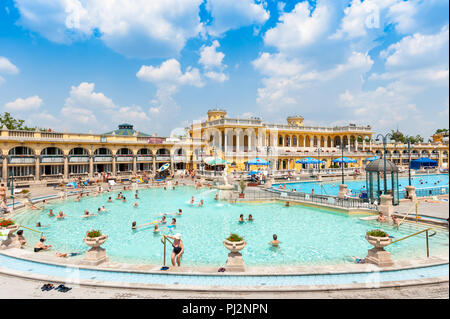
(163,157)
(52,159)
(124,158)
(21,159)
(144,158)
(78,158)
(103,158)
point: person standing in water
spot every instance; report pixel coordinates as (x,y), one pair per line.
(178,249)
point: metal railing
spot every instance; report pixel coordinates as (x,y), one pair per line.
(418,233)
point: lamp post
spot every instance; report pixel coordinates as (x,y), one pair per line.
(409,159)
(318,151)
(342,161)
(384,139)
(214,150)
(268,150)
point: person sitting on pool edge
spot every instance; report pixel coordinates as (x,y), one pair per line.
(20,238)
(275,242)
(178,248)
(241,218)
(40,245)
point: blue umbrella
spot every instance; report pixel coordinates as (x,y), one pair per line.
(164,167)
(344,160)
(257,161)
(253,173)
(309,160)
(370,159)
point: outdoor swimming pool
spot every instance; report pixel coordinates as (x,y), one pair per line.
(307,235)
(434,182)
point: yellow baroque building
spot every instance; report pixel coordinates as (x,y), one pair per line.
(51,156)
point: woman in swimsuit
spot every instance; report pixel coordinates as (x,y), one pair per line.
(178,248)
(163,220)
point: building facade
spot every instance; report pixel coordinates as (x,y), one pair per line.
(38,156)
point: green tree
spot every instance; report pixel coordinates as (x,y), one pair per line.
(12,123)
(441,130)
(398,136)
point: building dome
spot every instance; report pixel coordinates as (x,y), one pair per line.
(378,166)
(216,114)
(126,129)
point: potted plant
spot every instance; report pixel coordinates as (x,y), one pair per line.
(95,238)
(378,238)
(242,185)
(234,243)
(9,225)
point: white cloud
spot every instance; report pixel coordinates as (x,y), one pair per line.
(83,96)
(31,103)
(418,49)
(7,67)
(228,15)
(217,76)
(138,28)
(211,60)
(170,73)
(209,57)
(78,115)
(300,27)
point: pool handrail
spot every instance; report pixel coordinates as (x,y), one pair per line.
(416,206)
(418,233)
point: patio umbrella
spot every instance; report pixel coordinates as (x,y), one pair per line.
(254,172)
(344,160)
(164,167)
(257,161)
(370,159)
(309,160)
(215,161)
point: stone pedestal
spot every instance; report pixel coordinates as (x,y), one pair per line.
(386,206)
(235,263)
(96,255)
(342,191)
(411,191)
(377,255)
(225,191)
(269,182)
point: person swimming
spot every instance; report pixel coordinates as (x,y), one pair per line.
(241,218)
(287,204)
(61,215)
(99,210)
(156,229)
(50,214)
(109,200)
(104,209)
(180,212)
(133,226)
(135,204)
(216,197)
(250,218)
(124,199)
(87,214)
(173,222)
(275,242)
(201,203)
(163,220)
(192,200)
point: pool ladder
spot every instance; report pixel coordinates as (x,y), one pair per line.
(417,233)
(164,240)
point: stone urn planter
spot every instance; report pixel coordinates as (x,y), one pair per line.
(377,255)
(235,261)
(96,255)
(11,241)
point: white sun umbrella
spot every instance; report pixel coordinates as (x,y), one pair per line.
(164,167)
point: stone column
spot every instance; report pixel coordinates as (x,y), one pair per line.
(342,190)
(225,146)
(134,164)
(364,145)
(5,168)
(91,166)
(386,206)
(172,169)
(66,167)
(114,168)
(411,191)
(154,163)
(36,168)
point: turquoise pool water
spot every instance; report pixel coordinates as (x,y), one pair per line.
(307,235)
(425,182)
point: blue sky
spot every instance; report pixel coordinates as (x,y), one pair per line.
(88,65)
